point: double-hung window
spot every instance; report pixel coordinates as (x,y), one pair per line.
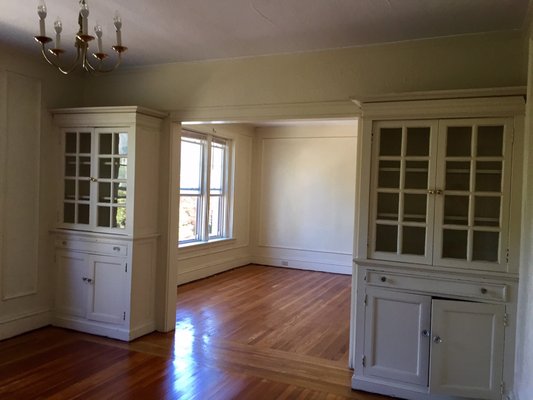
(204,186)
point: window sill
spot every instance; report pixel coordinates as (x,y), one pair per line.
(188,247)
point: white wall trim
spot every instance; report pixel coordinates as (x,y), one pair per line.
(209,269)
(274,246)
(303,264)
(21,323)
(264,112)
(203,251)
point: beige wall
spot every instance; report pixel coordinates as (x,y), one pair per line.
(524,346)
(304,194)
(28,88)
(473,61)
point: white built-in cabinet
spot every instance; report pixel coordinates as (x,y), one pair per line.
(107,220)
(437,242)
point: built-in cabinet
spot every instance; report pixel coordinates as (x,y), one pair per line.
(437,230)
(107,220)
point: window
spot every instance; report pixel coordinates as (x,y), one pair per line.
(203,188)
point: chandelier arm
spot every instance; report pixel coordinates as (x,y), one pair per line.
(61,69)
(97,70)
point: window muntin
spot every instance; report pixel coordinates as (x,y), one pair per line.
(203,188)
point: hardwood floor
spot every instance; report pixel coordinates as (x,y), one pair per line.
(252,333)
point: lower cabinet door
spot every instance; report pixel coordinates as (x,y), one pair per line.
(467,349)
(397,327)
(71,288)
(107,289)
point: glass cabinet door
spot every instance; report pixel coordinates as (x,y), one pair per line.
(111,179)
(77,165)
(403,173)
(471,204)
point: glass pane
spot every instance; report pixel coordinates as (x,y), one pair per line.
(68,213)
(85,166)
(486,245)
(104,192)
(104,168)
(414,240)
(217,167)
(85,142)
(119,218)
(457,175)
(84,190)
(487,211)
(70,142)
(214,226)
(490,141)
(418,141)
(414,207)
(119,193)
(388,206)
(416,175)
(83,213)
(103,216)
(188,217)
(386,238)
(120,168)
(70,189)
(389,174)
(105,143)
(70,166)
(390,142)
(459,141)
(120,144)
(454,244)
(456,210)
(191,164)
(488,176)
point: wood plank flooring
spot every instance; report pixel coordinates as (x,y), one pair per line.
(252,333)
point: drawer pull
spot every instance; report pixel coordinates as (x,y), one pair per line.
(483,290)
(116,248)
(437,339)
(425,333)
(383,279)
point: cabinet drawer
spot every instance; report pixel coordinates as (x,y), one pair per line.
(93,247)
(437,285)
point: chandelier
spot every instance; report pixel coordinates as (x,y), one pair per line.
(81,43)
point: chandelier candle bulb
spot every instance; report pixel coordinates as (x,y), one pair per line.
(58,26)
(118,25)
(41,11)
(98,32)
(84,12)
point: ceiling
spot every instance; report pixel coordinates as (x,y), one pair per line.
(164,31)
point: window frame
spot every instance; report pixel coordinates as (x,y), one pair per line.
(202,234)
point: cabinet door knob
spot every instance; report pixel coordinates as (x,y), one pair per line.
(483,290)
(89,280)
(93,179)
(425,333)
(84,279)
(383,279)
(437,339)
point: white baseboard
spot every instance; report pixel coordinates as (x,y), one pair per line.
(206,270)
(24,323)
(107,330)
(303,264)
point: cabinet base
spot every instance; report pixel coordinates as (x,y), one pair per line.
(95,328)
(398,390)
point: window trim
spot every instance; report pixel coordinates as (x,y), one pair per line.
(202,217)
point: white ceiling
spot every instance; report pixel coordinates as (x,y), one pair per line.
(163,31)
